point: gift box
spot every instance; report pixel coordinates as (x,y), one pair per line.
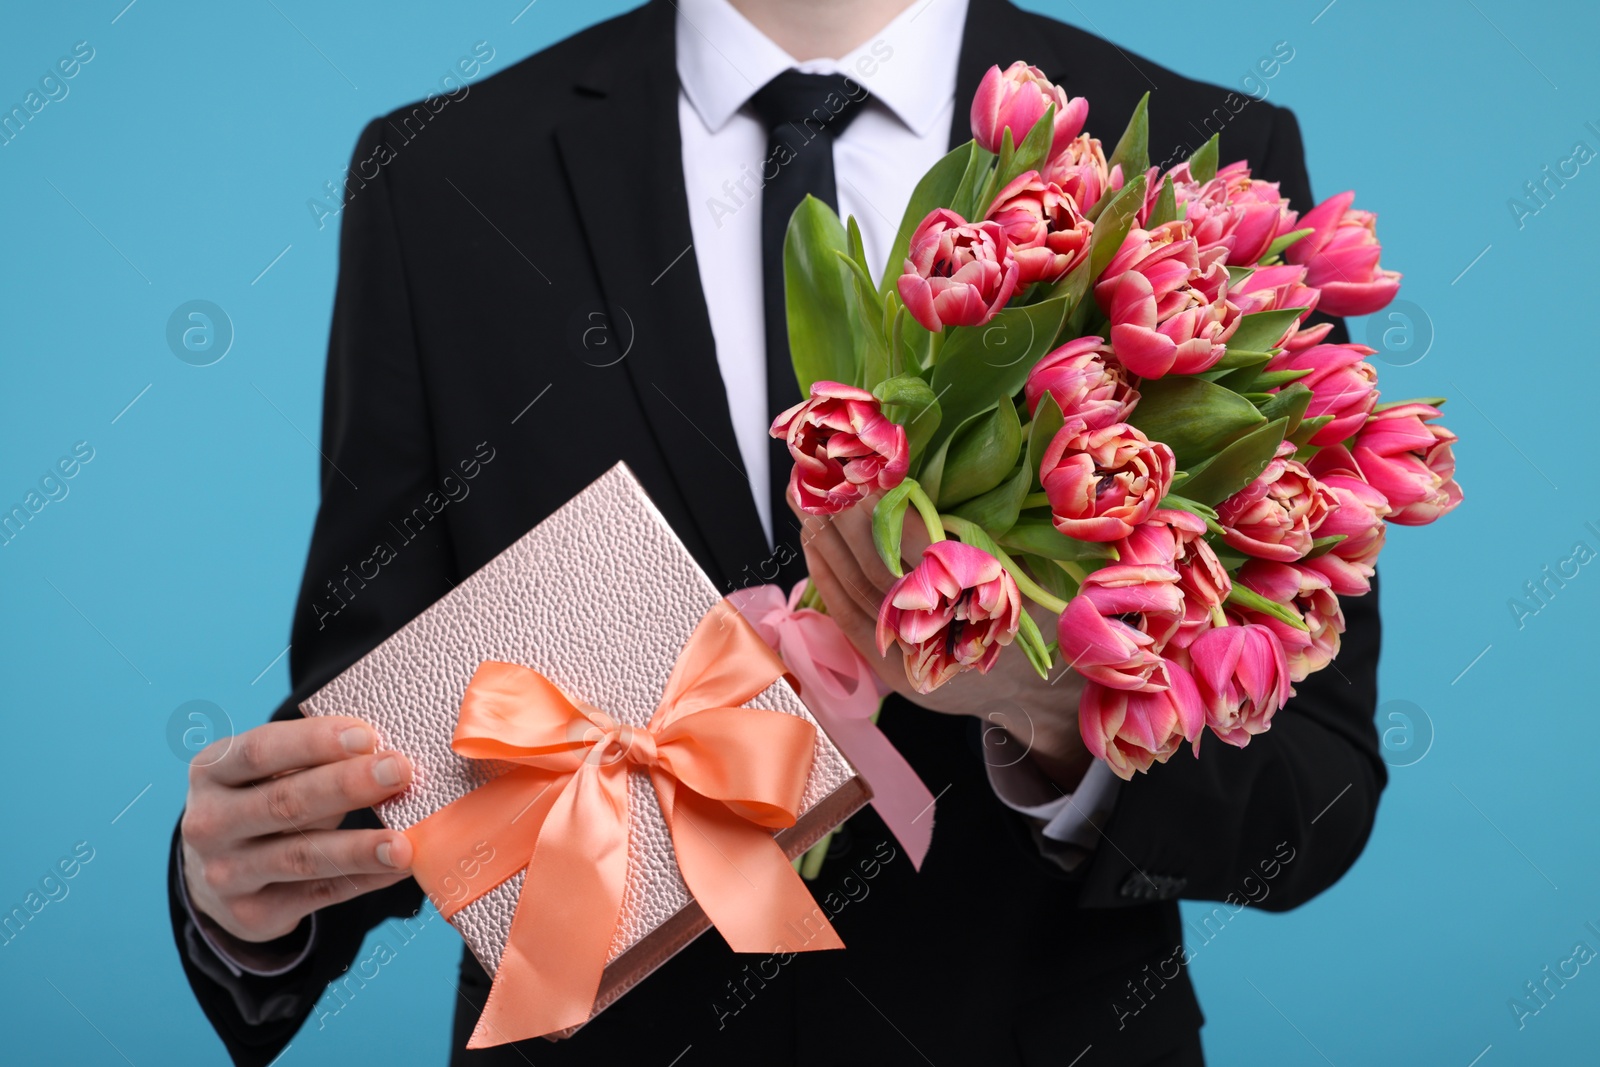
(557,658)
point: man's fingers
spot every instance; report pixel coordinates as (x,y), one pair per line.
(277,747)
(306,798)
(316,855)
(826,541)
(278,909)
(859,627)
(855,529)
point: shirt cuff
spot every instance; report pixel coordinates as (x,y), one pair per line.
(1073,818)
(267,959)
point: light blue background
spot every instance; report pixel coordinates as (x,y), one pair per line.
(179,166)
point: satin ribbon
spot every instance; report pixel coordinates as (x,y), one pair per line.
(842,691)
(726,776)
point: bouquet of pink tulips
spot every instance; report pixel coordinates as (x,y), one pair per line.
(1098,387)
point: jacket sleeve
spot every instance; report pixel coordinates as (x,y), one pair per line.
(375,561)
(1284,818)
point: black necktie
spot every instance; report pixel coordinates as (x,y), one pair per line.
(803,114)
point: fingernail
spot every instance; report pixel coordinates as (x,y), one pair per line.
(387,771)
(384,855)
(356,739)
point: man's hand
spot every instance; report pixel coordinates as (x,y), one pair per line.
(261,843)
(1012,699)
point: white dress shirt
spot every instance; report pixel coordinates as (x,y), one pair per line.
(904,129)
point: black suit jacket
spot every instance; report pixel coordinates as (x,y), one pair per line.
(474,258)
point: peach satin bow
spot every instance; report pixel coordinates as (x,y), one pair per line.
(726,776)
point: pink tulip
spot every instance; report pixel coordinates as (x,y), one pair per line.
(1016,99)
(1079,170)
(959,273)
(1277,516)
(1341,258)
(1176,539)
(1087,383)
(1047,233)
(1342,385)
(1242,673)
(1131,730)
(1102,483)
(950,613)
(1234,212)
(1167,303)
(1349,564)
(1144,594)
(1105,649)
(1278,288)
(1309,595)
(843,447)
(1408,459)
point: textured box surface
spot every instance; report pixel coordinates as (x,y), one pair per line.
(599,598)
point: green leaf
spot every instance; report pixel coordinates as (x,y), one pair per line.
(1166,206)
(1261,331)
(1051,578)
(1237,276)
(1235,466)
(979,365)
(871,346)
(1245,373)
(1031,641)
(888,522)
(936,189)
(1194,507)
(1431,401)
(996,511)
(1230,558)
(1047,422)
(1251,600)
(1039,537)
(1274,379)
(1133,150)
(1322,545)
(1074,287)
(820,297)
(968,199)
(981,455)
(1308,429)
(1203,164)
(1233,359)
(1195,418)
(1289,403)
(1276,248)
(858,251)
(1111,229)
(910,401)
(1029,155)
(910,344)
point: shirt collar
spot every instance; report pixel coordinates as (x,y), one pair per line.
(909,67)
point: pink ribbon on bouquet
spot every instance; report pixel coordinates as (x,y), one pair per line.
(842,691)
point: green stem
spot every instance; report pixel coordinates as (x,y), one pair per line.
(1074,569)
(1031,589)
(1035,500)
(930,514)
(971,532)
(809,864)
(812,599)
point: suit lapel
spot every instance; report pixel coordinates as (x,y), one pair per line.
(623,157)
(624,160)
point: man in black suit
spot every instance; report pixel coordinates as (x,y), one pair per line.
(475,265)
